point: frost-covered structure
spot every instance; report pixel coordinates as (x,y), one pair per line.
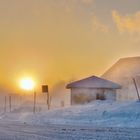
(92,88)
(123,72)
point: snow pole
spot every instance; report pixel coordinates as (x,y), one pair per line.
(5,100)
(48,100)
(10,104)
(136,88)
(45,90)
(34,107)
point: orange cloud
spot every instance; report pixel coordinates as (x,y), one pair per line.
(87,1)
(128,23)
(98,25)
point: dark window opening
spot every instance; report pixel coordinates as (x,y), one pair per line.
(100,96)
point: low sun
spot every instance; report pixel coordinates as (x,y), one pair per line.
(27,84)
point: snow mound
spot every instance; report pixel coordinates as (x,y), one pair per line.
(97,113)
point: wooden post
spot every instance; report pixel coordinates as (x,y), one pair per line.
(5,104)
(62,104)
(46,91)
(10,104)
(136,88)
(48,100)
(34,107)
(71,98)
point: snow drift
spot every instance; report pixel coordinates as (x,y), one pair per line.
(97,113)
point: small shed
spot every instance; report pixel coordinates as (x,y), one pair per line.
(92,88)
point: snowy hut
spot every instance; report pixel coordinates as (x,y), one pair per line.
(123,72)
(92,88)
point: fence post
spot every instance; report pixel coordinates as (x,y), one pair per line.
(10,103)
(136,88)
(34,107)
(5,100)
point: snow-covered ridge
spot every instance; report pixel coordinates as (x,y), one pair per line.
(97,113)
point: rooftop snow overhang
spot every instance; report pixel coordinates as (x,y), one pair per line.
(94,83)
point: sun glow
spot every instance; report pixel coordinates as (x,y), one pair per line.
(27,84)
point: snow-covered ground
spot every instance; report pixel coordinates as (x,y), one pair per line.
(98,120)
(97,113)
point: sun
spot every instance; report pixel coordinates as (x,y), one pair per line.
(27,84)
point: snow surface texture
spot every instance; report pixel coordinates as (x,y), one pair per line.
(97,114)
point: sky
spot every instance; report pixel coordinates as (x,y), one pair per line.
(62,40)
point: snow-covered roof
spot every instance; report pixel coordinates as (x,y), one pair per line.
(94,82)
(124,67)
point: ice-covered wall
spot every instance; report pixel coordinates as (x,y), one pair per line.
(85,95)
(110,94)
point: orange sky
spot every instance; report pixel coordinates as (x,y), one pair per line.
(53,40)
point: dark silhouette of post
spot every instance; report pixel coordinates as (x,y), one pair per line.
(10,103)
(62,104)
(136,88)
(46,90)
(48,101)
(5,102)
(34,107)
